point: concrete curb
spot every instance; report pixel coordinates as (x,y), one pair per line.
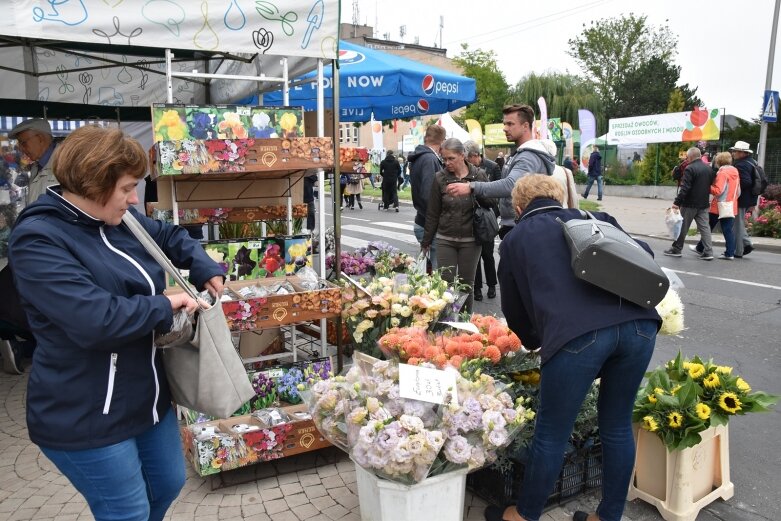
(758,246)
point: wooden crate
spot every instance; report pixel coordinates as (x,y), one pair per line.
(228,215)
(227,450)
(253,155)
(277,310)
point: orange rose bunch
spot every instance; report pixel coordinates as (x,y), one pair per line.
(414,345)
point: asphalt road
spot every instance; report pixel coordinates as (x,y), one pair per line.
(732,314)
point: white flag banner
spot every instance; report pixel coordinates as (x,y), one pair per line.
(376,127)
(699,124)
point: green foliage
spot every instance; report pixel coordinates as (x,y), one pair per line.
(609,49)
(563,93)
(492,88)
(647,90)
(685,397)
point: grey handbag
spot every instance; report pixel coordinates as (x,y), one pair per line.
(607,257)
(205,374)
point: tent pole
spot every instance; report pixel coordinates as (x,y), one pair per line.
(321,198)
(336,199)
(170,99)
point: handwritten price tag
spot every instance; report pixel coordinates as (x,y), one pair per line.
(428,385)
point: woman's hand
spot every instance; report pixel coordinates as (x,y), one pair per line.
(183,300)
(215,286)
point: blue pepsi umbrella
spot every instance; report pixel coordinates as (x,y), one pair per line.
(389,86)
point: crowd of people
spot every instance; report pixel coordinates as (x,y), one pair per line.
(68,245)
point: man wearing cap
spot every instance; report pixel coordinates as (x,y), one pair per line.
(36,142)
(742,160)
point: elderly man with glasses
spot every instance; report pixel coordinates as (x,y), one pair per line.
(37,143)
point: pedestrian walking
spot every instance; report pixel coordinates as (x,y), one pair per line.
(390,170)
(594,173)
(725,190)
(693,200)
(745,164)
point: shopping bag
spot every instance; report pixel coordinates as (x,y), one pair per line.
(420,264)
(205,374)
(674,221)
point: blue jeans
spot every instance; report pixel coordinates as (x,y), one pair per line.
(432,252)
(133,480)
(590,183)
(727,229)
(619,355)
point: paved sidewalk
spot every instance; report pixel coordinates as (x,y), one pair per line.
(319,486)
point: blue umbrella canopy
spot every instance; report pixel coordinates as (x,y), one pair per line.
(387,85)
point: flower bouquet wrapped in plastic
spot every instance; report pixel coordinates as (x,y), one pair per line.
(406,440)
(484,420)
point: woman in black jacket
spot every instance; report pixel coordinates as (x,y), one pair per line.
(582,332)
(451,218)
(390,170)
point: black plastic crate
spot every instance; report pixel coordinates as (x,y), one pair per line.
(582,470)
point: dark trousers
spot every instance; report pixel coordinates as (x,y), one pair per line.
(487,256)
(390,196)
(309,199)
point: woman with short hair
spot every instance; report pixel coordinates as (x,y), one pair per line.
(582,332)
(451,218)
(98,402)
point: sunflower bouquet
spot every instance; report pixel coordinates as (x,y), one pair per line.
(685,397)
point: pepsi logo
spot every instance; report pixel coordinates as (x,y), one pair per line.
(428,84)
(348,57)
(422,106)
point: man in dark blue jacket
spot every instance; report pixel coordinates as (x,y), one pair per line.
(693,200)
(594,173)
(424,163)
(742,160)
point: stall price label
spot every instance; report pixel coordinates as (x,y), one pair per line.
(428,385)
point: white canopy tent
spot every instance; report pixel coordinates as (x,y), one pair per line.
(107,59)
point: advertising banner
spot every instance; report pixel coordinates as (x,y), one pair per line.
(699,124)
(494,135)
(588,134)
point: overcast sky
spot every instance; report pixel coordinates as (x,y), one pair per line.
(722,44)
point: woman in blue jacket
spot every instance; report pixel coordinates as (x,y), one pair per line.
(582,332)
(98,403)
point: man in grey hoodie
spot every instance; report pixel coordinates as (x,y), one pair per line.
(529,158)
(424,163)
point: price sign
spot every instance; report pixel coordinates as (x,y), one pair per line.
(427,385)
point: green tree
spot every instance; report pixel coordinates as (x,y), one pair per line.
(564,94)
(492,88)
(647,90)
(607,50)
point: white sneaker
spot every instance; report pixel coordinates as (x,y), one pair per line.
(693,248)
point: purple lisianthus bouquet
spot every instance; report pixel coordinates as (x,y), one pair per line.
(353,263)
(406,440)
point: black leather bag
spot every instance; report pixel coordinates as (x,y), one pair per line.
(485,225)
(608,258)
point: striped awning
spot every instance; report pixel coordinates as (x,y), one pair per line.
(60,127)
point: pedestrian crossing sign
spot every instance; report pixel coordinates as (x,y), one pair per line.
(770,106)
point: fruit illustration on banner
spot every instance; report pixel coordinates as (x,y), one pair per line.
(710,131)
(701,125)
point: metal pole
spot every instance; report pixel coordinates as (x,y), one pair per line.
(768,81)
(336,199)
(321,196)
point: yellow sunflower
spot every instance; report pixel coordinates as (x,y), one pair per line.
(696,370)
(652,398)
(729,403)
(724,369)
(711,381)
(743,385)
(703,411)
(675,420)
(649,424)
